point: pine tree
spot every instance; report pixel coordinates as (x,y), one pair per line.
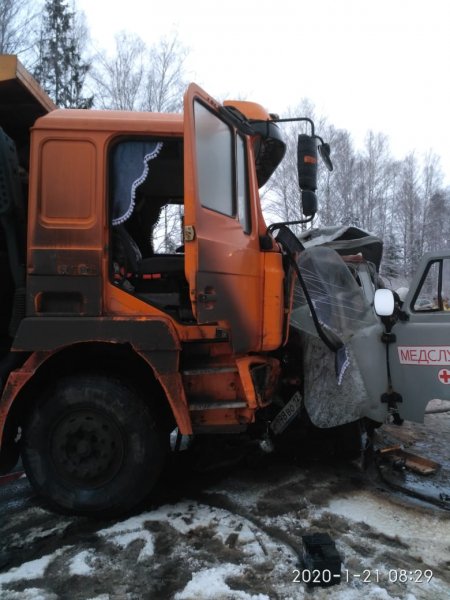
(60,69)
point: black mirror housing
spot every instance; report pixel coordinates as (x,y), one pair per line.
(307,162)
(309,203)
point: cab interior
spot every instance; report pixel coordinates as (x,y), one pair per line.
(146,207)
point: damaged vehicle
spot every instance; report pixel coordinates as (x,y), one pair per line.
(112,343)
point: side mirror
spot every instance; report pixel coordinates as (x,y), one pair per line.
(325,151)
(307,162)
(307,172)
(384,303)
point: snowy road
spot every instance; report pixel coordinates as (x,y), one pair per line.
(237,537)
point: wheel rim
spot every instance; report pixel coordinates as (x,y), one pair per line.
(87,448)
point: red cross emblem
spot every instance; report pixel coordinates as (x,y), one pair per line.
(444,376)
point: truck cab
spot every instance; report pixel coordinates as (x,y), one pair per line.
(137,272)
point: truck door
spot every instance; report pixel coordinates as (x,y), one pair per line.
(420,356)
(222,255)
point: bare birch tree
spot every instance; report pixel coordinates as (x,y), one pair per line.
(18,26)
(342,208)
(140,78)
(432,198)
(165,77)
(374,183)
(118,79)
(408,212)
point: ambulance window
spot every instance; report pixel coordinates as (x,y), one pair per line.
(214,148)
(434,290)
(242,185)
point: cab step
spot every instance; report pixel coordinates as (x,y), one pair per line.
(194,406)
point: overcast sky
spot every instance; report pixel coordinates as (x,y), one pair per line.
(366,65)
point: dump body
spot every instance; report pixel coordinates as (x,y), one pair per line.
(22,101)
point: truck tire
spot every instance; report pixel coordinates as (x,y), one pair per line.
(91,447)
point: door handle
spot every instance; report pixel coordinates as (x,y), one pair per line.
(208,297)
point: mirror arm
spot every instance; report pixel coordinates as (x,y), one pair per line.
(297,119)
(274,226)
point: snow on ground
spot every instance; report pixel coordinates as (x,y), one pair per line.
(34,569)
(235,537)
(81,563)
(211,584)
(423,533)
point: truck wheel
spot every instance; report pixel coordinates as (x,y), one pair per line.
(91,447)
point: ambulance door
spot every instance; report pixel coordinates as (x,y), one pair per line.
(420,355)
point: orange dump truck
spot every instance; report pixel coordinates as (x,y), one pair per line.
(142,291)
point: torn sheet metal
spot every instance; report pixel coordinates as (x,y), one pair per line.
(333,396)
(346,240)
